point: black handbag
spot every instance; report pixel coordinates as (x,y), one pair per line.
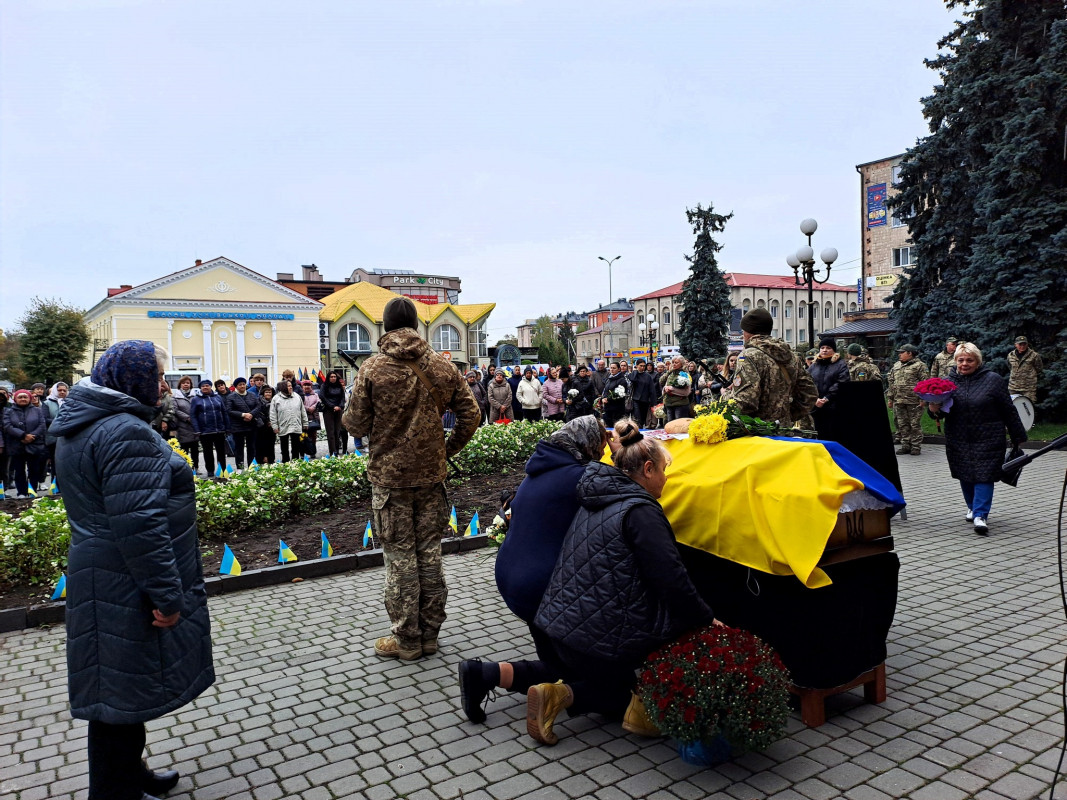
(1012,478)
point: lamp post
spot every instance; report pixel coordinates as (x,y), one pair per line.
(804,271)
(652,327)
(611,296)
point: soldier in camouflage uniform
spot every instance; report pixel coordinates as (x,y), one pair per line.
(906,405)
(398,398)
(945,360)
(860,366)
(1026,369)
(771,382)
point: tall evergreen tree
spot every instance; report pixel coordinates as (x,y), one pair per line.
(549,348)
(704,323)
(985,194)
(54,338)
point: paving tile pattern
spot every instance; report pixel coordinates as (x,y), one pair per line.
(302,708)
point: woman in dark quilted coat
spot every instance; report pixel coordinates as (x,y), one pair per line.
(974,431)
(618,590)
(138,634)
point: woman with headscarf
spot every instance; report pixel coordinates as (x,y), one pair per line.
(499,397)
(478,391)
(541,512)
(138,632)
(25,428)
(288,419)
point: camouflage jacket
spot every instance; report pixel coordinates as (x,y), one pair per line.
(902,380)
(943,362)
(861,368)
(1026,370)
(771,382)
(397,412)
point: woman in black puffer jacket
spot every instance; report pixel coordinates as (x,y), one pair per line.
(138,634)
(618,590)
(974,431)
(332,395)
(829,371)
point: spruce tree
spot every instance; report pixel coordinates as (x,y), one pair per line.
(704,324)
(985,194)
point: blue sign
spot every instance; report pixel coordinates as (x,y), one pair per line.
(876,216)
(217,315)
(859,292)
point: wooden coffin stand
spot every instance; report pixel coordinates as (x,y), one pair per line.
(832,639)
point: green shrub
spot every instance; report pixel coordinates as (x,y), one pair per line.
(33,546)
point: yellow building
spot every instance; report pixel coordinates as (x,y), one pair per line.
(217,319)
(351,324)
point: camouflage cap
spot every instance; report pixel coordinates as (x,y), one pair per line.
(1021,340)
(908,348)
(952,339)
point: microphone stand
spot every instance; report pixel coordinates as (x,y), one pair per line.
(1022,461)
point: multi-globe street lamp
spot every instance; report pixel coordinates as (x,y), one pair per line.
(650,340)
(611,296)
(804,271)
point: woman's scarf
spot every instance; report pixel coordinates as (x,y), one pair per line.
(54,395)
(130,367)
(581,437)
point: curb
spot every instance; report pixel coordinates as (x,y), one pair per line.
(19,619)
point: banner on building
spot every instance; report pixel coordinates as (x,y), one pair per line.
(876,215)
(859,293)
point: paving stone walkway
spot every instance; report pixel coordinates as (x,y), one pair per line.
(302,708)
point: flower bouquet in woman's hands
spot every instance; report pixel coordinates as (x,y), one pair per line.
(936,390)
(716,686)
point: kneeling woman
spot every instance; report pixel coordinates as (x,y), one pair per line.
(619,589)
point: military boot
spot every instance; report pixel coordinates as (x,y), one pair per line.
(903,450)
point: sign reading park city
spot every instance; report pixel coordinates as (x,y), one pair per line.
(411,280)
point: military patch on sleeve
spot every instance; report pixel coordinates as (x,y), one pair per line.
(741,357)
(737,381)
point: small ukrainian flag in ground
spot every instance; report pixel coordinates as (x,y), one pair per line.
(307,457)
(254,464)
(285,555)
(327,548)
(218,470)
(368,535)
(3,491)
(54,489)
(453,522)
(230,565)
(31,492)
(230,470)
(61,588)
(472,526)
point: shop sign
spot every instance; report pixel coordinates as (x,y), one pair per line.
(885,280)
(216,315)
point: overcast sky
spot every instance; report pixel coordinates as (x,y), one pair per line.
(507,143)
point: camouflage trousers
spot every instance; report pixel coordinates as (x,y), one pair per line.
(909,425)
(409,524)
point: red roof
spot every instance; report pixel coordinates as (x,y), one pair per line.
(614,321)
(751,280)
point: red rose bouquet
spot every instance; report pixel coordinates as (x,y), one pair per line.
(936,390)
(715,683)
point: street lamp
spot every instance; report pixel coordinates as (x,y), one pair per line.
(804,272)
(650,340)
(611,299)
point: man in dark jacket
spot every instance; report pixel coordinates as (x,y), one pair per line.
(246,414)
(398,398)
(829,371)
(138,632)
(645,392)
(25,428)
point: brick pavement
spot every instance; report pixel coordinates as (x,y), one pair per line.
(301,708)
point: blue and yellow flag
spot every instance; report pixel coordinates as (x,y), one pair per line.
(368,535)
(472,526)
(54,488)
(254,464)
(30,492)
(230,565)
(327,548)
(3,491)
(285,555)
(61,588)
(230,470)
(218,470)
(307,457)
(453,522)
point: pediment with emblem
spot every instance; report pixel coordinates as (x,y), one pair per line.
(220,281)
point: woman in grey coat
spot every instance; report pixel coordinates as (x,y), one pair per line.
(138,633)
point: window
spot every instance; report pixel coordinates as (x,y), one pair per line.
(851,306)
(774,310)
(896,175)
(800,310)
(746,306)
(760,304)
(354,337)
(840,310)
(903,257)
(666,316)
(445,337)
(476,337)
(827,311)
(788,335)
(896,214)
(788,309)
(802,335)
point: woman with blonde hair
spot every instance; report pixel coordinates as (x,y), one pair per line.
(618,590)
(974,431)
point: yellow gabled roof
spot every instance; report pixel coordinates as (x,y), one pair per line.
(371,300)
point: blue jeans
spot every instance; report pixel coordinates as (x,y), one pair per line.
(979,497)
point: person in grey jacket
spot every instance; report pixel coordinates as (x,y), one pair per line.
(183,421)
(288,419)
(138,632)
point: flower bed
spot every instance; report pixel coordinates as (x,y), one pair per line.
(33,546)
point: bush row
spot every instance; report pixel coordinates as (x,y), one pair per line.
(33,546)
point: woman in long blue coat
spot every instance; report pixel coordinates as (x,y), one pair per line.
(138,633)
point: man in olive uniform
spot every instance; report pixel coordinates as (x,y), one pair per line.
(398,398)
(1026,369)
(860,366)
(770,383)
(906,405)
(945,360)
